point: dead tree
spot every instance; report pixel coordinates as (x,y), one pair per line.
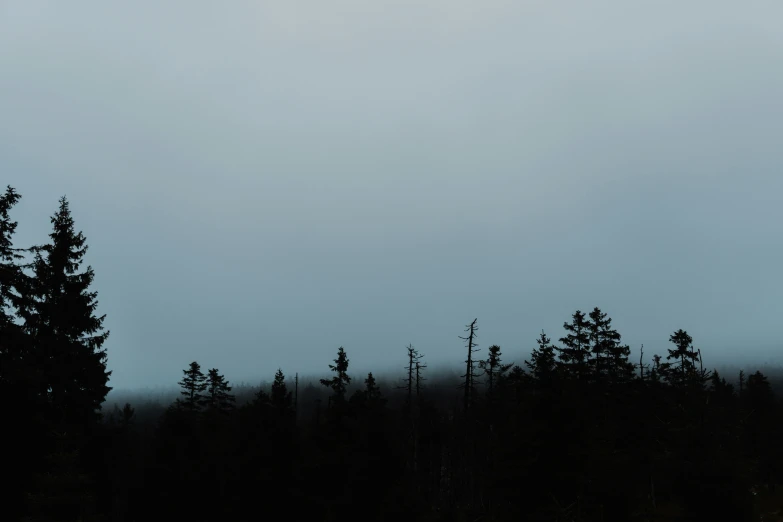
(412,381)
(419,379)
(470,373)
(642,366)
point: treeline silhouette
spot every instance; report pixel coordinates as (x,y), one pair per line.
(575,432)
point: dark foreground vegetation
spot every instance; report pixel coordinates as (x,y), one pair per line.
(576,432)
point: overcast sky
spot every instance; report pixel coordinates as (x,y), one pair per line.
(262,182)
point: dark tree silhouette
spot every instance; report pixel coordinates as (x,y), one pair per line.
(59,315)
(411,380)
(575,349)
(468,385)
(494,368)
(280,397)
(194,384)
(9,259)
(610,356)
(684,357)
(339,383)
(542,364)
(370,397)
(219,395)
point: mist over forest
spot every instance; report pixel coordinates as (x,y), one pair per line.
(434,261)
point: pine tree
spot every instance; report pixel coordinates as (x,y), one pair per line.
(339,383)
(59,314)
(542,364)
(575,350)
(193,384)
(280,397)
(219,395)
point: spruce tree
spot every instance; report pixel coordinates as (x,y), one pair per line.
(684,358)
(9,258)
(280,397)
(58,310)
(219,395)
(610,356)
(542,364)
(194,384)
(575,349)
(494,368)
(11,339)
(371,390)
(370,397)
(339,383)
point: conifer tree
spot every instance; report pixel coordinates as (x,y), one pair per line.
(11,339)
(193,384)
(280,397)
(759,392)
(219,395)
(610,355)
(684,358)
(339,383)
(58,310)
(494,368)
(575,349)
(542,362)
(9,268)
(370,397)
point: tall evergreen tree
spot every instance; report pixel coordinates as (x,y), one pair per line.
(21,400)
(219,395)
(11,338)
(575,349)
(684,358)
(610,356)
(542,364)
(339,383)
(194,384)
(280,398)
(59,314)
(9,257)
(494,368)
(370,397)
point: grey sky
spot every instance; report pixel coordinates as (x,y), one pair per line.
(262,182)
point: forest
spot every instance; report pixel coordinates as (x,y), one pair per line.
(577,431)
